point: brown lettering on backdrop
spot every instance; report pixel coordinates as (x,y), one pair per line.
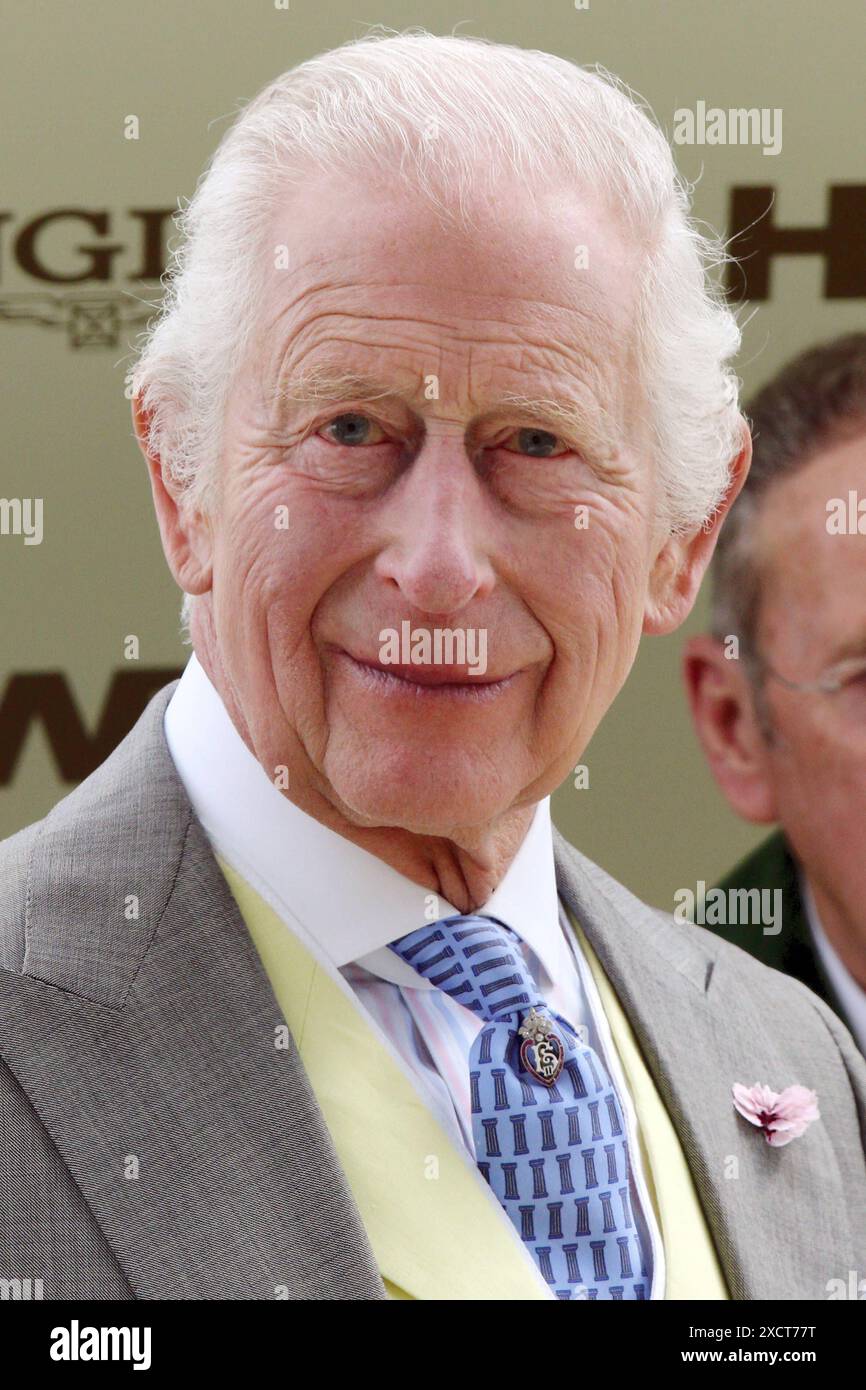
(756,239)
(45,697)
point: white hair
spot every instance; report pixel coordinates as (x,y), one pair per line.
(441,113)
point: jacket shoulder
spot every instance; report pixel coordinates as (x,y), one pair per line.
(15,852)
(59,874)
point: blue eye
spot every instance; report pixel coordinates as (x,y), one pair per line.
(537,443)
(353,428)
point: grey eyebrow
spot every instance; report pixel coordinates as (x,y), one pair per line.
(325,384)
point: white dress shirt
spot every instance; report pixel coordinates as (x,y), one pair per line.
(852,996)
(346,904)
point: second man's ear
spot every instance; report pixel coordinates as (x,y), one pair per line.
(723,711)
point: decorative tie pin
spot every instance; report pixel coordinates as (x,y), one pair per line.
(542,1053)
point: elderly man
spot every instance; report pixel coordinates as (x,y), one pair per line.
(304,997)
(784,725)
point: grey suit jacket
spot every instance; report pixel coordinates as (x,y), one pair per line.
(146,1038)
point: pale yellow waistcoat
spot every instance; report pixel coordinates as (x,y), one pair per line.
(436,1229)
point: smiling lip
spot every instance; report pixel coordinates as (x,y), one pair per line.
(442,680)
(429,675)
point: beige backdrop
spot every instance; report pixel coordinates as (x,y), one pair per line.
(72,74)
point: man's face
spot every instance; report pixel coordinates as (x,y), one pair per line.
(435,504)
(813,614)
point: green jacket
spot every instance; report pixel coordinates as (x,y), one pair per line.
(792,950)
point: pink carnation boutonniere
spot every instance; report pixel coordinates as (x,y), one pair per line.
(782,1116)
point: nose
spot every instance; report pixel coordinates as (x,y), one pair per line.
(439,528)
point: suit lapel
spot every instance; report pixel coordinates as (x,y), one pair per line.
(699,1032)
(436,1228)
(146,1043)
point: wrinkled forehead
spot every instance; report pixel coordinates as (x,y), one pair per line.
(545,264)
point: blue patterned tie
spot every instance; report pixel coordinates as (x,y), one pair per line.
(549,1133)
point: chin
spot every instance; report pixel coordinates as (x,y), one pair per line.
(427,798)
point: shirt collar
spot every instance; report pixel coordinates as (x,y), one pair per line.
(351,903)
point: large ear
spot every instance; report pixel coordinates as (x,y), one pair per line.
(681,562)
(185,532)
(723,711)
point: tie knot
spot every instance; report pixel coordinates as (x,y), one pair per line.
(474,959)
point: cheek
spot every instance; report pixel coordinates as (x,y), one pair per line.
(590,587)
(816,766)
(279,549)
